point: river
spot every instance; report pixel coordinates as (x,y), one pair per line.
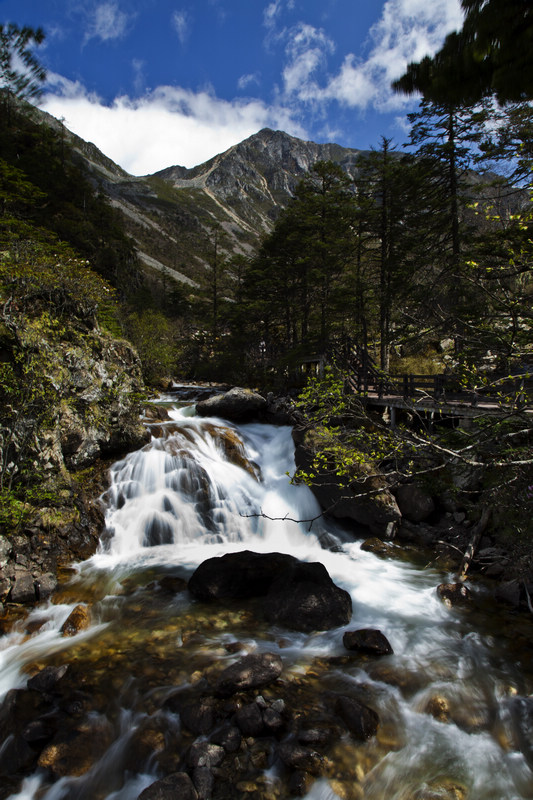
(452,698)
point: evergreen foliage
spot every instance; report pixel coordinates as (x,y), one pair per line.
(491,55)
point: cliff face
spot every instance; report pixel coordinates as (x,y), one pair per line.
(72,400)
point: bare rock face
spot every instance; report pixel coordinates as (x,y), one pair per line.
(237,405)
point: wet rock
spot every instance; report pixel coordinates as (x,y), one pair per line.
(237,575)
(305,598)
(379,547)
(249,720)
(146,741)
(23,589)
(154,412)
(199,715)
(250,672)
(273,721)
(45,585)
(75,751)
(172,787)
(16,755)
(439,708)
(317,736)
(232,446)
(205,754)
(300,783)
(367,640)
(302,758)
(38,731)
(237,405)
(5,588)
(158,531)
(299,595)
(521,715)
(454,594)
(361,721)
(414,503)
(78,620)
(229,737)
(46,680)
(508,593)
(204,782)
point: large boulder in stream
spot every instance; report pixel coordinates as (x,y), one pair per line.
(237,405)
(297,594)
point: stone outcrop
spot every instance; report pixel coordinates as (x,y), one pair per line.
(88,385)
(365,500)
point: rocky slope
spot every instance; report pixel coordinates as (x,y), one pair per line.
(172,215)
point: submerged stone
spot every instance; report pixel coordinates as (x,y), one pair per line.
(177,785)
(250,672)
(367,640)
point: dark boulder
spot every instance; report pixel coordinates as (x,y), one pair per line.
(205,754)
(199,716)
(177,785)
(229,737)
(46,679)
(304,598)
(237,405)
(298,595)
(237,575)
(249,720)
(361,721)
(250,672)
(298,757)
(414,503)
(454,594)
(23,589)
(367,640)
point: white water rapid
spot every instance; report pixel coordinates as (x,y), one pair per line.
(448,698)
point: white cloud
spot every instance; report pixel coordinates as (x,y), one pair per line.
(106,21)
(168,126)
(246,80)
(180,22)
(274,10)
(406,31)
(307,50)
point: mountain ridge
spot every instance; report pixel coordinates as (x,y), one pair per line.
(172,214)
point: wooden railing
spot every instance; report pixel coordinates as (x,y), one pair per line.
(363,376)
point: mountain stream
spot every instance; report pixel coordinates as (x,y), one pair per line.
(455,718)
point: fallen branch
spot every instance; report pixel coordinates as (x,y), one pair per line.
(477,532)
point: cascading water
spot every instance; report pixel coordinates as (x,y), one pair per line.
(452,699)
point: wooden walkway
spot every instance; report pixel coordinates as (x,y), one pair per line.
(434,395)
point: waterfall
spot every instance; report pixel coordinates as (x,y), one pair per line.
(448,696)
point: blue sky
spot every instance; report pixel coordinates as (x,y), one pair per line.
(154,83)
